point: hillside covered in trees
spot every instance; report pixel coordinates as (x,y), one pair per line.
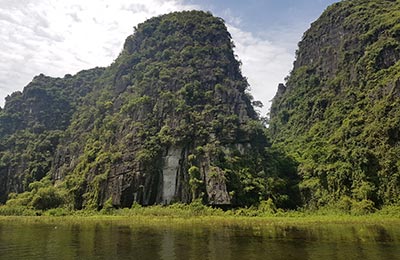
(339,114)
(172,120)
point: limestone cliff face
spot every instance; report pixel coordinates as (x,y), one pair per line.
(170,172)
(173,101)
(338,113)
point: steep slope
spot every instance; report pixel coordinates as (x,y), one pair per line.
(169,120)
(339,112)
(32,123)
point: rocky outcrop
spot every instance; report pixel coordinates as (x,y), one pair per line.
(170,170)
(216,187)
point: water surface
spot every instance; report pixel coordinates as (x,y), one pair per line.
(110,240)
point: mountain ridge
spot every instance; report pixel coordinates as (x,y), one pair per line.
(170,120)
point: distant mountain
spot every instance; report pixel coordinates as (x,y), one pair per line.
(339,113)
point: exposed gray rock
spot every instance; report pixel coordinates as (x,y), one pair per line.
(170,170)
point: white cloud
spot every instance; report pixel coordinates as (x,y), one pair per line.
(231,18)
(264,63)
(58,37)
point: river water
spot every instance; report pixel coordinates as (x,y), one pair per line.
(115,241)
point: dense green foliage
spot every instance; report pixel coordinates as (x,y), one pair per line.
(32,124)
(339,114)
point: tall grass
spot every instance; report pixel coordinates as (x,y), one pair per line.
(196,213)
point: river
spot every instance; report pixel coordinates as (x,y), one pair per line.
(110,240)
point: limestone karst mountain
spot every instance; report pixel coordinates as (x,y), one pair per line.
(170,120)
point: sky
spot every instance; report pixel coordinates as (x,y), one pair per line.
(58,37)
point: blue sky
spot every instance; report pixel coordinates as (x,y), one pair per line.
(264,15)
(58,37)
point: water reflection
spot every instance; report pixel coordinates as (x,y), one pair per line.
(113,241)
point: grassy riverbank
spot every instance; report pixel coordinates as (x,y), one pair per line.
(181,214)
